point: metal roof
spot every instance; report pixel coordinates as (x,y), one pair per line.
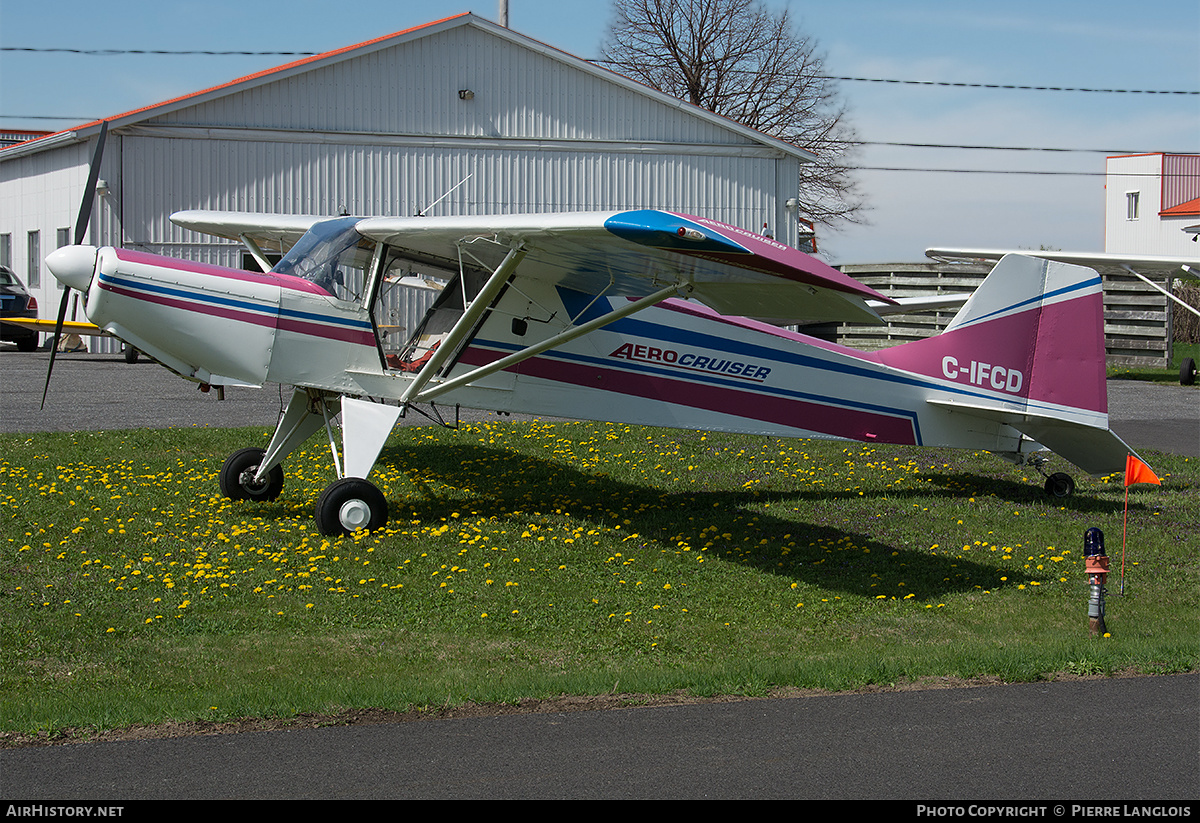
(88,130)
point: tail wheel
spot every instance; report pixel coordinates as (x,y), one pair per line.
(350,504)
(1187,371)
(237,477)
(1060,484)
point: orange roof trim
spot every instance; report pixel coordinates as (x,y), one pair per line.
(1190,208)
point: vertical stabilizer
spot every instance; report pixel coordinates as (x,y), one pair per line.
(1033,331)
(1027,350)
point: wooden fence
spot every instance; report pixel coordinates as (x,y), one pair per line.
(1138,324)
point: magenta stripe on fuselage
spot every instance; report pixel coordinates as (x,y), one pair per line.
(269,320)
(836,421)
(286,281)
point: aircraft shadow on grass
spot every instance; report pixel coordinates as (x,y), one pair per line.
(504,484)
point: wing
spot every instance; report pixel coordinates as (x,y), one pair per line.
(48,326)
(278,232)
(635,253)
(1160,266)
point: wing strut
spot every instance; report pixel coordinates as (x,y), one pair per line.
(255,251)
(1157,287)
(466,323)
(677,289)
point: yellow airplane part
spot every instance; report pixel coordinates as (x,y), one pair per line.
(47,326)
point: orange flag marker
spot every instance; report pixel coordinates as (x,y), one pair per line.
(1138,472)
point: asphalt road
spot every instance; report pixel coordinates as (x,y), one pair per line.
(1092,742)
(1087,743)
(96,391)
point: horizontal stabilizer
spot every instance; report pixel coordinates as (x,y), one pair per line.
(1094,449)
(919,303)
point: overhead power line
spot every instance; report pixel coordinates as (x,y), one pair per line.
(1153,175)
(885,80)
(1002,86)
(999,148)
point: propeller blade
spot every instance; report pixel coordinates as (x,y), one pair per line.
(89,191)
(81,226)
(62,314)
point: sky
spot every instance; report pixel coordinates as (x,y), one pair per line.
(942,197)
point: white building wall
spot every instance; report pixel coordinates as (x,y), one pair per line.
(40,194)
(1147,232)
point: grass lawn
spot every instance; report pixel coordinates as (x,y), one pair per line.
(531,560)
(1178,352)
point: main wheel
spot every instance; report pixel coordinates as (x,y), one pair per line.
(1060,484)
(350,504)
(237,477)
(1187,371)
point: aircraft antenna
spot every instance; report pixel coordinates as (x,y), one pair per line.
(425,210)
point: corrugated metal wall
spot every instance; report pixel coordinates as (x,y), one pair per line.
(1181,179)
(162,175)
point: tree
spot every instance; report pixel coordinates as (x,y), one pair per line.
(740,60)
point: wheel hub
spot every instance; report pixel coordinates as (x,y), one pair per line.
(354,515)
(248,482)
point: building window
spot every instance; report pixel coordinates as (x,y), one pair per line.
(34,280)
(64,239)
(1131,205)
(6,250)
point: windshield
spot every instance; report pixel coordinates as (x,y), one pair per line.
(333,256)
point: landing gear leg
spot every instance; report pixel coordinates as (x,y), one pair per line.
(352,502)
(255,474)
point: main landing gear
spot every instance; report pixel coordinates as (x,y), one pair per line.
(237,478)
(348,504)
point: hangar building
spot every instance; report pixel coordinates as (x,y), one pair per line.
(460,116)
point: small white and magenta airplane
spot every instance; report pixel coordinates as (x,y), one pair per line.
(644,317)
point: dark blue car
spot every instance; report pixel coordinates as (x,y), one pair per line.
(15,301)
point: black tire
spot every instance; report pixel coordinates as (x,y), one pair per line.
(1187,372)
(27,343)
(350,504)
(236,476)
(131,354)
(1060,485)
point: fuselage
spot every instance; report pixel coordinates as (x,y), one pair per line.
(677,364)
